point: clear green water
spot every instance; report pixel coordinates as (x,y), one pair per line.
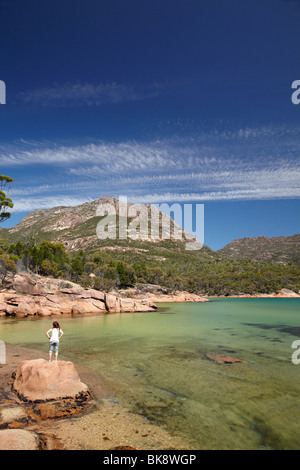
(156,365)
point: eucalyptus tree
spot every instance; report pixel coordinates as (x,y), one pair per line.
(5,202)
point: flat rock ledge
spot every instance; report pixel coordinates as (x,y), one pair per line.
(49,390)
(19,439)
(31,294)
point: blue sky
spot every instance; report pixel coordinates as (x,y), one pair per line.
(158,100)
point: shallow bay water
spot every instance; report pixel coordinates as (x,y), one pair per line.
(157,365)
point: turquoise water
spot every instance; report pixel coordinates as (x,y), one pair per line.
(156,364)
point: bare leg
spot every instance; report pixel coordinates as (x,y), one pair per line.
(50,355)
(56,355)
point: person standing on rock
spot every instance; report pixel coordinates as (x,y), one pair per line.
(56,334)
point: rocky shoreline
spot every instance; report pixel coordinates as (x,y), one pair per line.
(30,294)
(283,294)
(25,295)
(159,294)
(101,424)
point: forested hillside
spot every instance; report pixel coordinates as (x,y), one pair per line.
(167,263)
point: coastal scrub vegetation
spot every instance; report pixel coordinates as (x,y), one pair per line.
(202,272)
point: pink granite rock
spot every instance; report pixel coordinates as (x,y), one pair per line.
(39,379)
(18,439)
(34,294)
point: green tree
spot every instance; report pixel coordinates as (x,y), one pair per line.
(77,265)
(5,201)
(49,268)
(4,245)
(89,267)
(126,274)
(7,265)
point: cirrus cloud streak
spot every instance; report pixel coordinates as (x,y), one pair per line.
(242,165)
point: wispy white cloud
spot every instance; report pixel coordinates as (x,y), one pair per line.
(115,157)
(265,147)
(91,94)
(248,164)
(202,197)
(29,204)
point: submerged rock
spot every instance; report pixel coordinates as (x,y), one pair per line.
(224,359)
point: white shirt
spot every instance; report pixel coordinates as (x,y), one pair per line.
(55,335)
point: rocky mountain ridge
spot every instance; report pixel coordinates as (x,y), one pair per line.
(76,227)
(283,249)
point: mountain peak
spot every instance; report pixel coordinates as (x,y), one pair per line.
(75,226)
